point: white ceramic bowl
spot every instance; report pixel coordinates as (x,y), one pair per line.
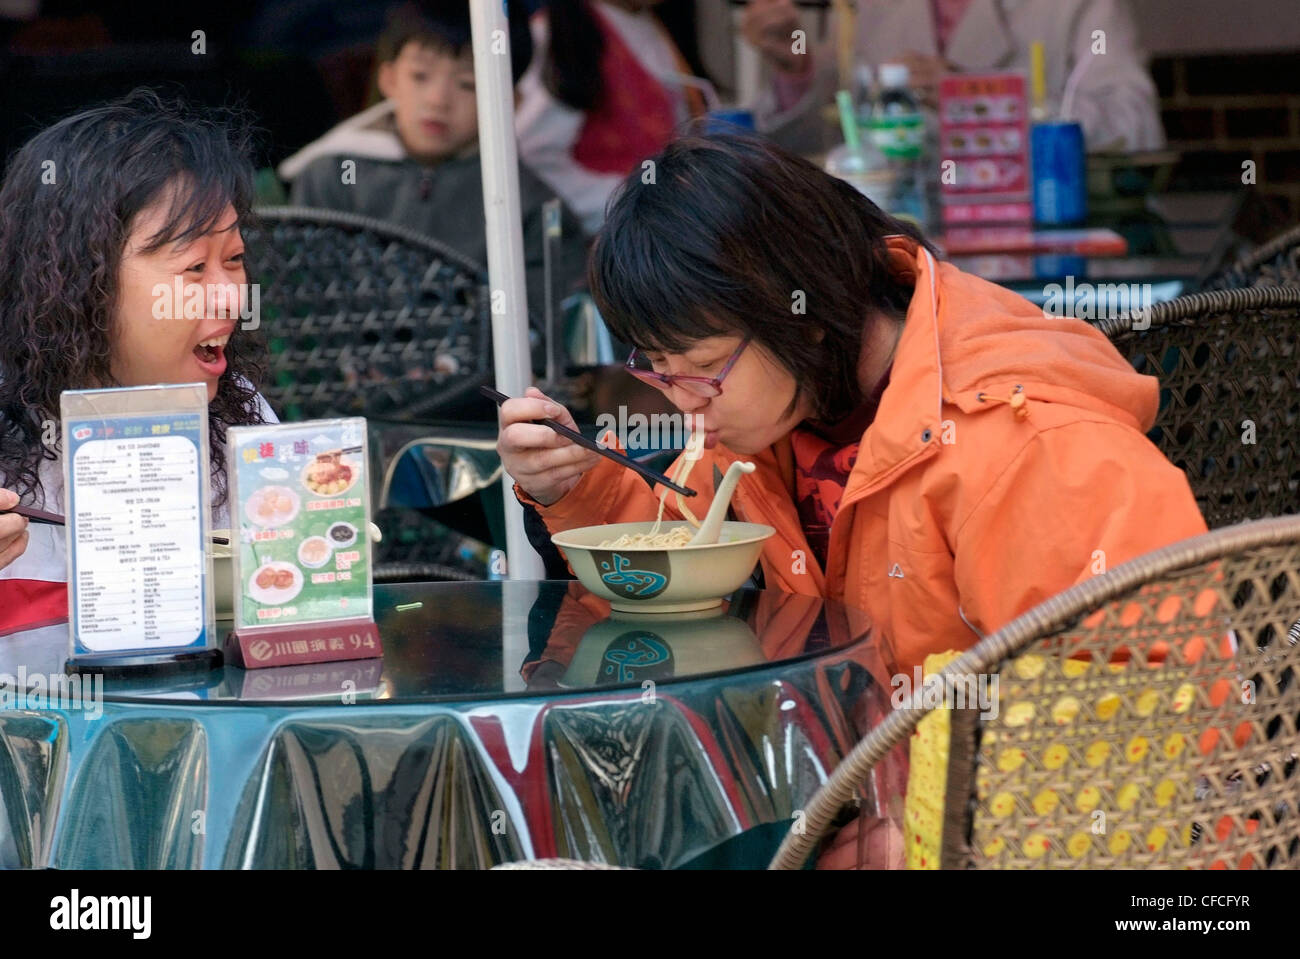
(639,579)
(322,545)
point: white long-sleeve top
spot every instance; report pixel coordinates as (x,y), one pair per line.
(1115,101)
(548,129)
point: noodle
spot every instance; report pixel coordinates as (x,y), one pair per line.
(678,535)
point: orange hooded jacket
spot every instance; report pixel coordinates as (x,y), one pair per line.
(1006,462)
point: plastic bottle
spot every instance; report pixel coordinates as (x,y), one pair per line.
(864,94)
(856,160)
(898,130)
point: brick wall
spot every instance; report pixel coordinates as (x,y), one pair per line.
(1220,111)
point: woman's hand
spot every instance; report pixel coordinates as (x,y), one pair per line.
(13,529)
(767,25)
(543,463)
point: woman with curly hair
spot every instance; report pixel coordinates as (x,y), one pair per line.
(100,212)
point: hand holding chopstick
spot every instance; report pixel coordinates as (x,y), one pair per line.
(553,471)
(13,529)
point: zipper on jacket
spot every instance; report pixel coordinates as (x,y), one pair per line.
(426,184)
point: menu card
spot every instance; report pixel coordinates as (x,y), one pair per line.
(300,509)
(137,484)
(984,148)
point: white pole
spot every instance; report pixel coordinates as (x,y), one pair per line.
(749,68)
(505,249)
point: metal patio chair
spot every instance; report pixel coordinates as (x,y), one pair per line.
(1228,363)
(366,318)
(1273,263)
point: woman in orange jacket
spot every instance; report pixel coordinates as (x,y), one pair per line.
(930,447)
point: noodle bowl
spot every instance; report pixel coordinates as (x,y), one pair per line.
(646,576)
(641,566)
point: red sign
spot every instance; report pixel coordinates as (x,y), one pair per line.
(984,148)
(305,643)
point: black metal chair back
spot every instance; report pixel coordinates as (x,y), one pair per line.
(365,318)
(1229,369)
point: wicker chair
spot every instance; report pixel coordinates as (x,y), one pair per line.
(1119,707)
(1229,369)
(365,318)
(1274,263)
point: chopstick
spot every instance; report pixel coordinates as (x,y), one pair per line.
(36,515)
(47,518)
(595,447)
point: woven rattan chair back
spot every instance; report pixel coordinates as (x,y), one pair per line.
(1274,263)
(1229,370)
(1146,717)
(365,318)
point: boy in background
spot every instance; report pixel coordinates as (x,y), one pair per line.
(414,156)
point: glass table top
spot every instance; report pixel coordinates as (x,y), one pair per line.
(497,639)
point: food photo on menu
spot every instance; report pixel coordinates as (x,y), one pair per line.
(303,510)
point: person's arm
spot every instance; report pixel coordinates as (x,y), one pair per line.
(1074,501)
(1115,101)
(801,73)
(539,537)
(607,493)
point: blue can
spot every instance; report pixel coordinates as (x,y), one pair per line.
(1060,174)
(729,121)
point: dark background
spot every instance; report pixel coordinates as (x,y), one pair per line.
(299,66)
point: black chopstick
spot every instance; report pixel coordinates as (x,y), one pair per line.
(35,515)
(595,447)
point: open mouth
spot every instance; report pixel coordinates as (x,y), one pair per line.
(211,355)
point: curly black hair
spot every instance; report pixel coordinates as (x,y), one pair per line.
(67,204)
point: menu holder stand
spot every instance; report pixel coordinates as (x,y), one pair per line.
(300,515)
(302,645)
(137,486)
(156,664)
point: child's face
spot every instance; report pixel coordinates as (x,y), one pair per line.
(433,100)
(157,334)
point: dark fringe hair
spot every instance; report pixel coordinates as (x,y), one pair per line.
(61,246)
(726,234)
(444,25)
